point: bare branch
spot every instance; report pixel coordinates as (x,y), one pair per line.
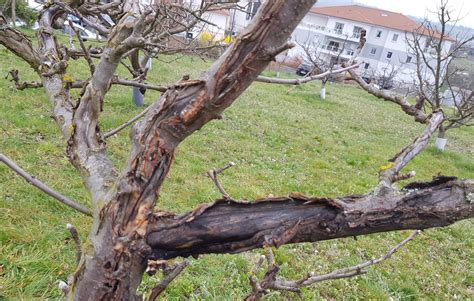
(271,80)
(411,110)
(22,85)
(19,44)
(389,173)
(43,187)
(213,175)
(126,124)
(341,273)
(233,227)
(170,275)
(83,47)
(77,241)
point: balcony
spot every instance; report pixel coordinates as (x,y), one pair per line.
(335,50)
(336,33)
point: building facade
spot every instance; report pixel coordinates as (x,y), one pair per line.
(334,31)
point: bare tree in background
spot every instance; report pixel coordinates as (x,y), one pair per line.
(320,62)
(130,234)
(434,71)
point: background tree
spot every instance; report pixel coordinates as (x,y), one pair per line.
(130,234)
(435,71)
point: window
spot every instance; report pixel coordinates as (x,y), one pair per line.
(379,33)
(395,37)
(338,27)
(252,8)
(408,59)
(356,32)
(366,66)
(373,51)
(389,54)
(333,46)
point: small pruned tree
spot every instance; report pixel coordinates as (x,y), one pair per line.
(435,71)
(129,233)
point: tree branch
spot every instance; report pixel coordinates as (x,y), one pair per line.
(411,110)
(126,124)
(170,275)
(297,81)
(231,227)
(271,281)
(389,173)
(77,241)
(18,43)
(43,187)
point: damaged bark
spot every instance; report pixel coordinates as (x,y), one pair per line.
(127,231)
(228,226)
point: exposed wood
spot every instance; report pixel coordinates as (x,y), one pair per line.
(231,227)
(178,113)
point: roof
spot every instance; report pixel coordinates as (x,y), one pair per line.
(372,16)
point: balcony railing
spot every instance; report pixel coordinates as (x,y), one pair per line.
(337,49)
(335,32)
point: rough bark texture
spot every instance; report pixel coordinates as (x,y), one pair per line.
(126,231)
(113,268)
(230,227)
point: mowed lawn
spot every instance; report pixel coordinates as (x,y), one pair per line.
(281,142)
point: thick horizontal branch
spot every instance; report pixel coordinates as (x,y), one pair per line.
(43,187)
(230,227)
(299,81)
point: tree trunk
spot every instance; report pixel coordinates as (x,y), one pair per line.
(441,140)
(322,92)
(113,267)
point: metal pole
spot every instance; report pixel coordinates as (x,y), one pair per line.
(13,13)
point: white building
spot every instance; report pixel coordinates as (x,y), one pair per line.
(386,48)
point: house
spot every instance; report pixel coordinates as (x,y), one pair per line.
(337,29)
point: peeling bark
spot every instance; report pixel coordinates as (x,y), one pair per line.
(231,227)
(114,268)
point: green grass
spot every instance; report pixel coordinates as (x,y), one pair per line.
(281,143)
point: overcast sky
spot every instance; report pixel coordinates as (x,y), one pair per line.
(419,8)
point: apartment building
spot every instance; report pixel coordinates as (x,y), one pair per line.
(335,30)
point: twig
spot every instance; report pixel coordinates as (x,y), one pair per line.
(357,269)
(22,85)
(213,175)
(171,274)
(132,83)
(261,288)
(126,124)
(43,187)
(77,241)
(83,47)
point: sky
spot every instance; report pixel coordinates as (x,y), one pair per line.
(418,8)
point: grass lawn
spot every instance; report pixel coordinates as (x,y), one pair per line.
(281,144)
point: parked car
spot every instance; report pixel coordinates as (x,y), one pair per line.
(19,22)
(303,69)
(84,32)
